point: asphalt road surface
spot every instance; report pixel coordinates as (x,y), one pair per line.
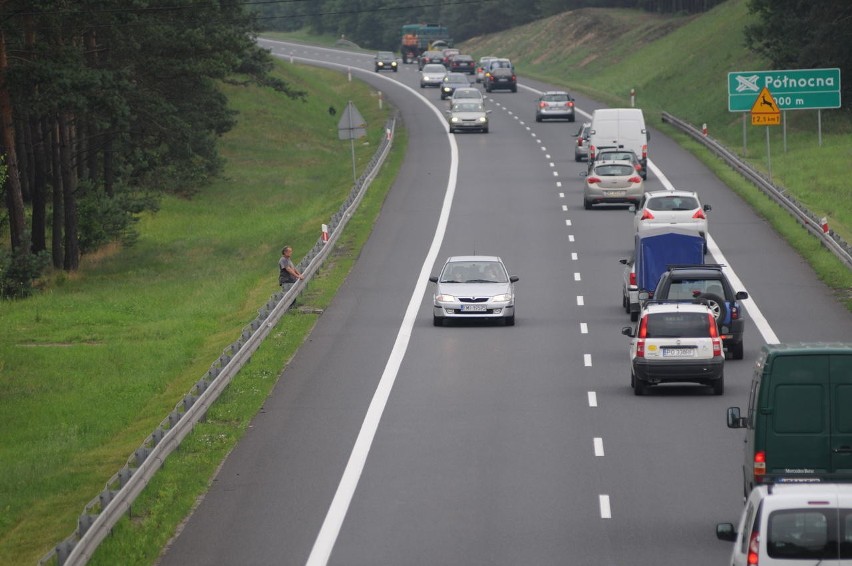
(388,441)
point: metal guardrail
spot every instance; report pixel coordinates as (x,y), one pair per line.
(808,219)
(105,510)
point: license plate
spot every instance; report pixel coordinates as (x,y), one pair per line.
(678,352)
(615,193)
(474,308)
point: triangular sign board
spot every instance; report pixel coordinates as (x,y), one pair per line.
(352,125)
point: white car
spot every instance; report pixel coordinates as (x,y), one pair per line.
(793,525)
(466,95)
(432,75)
(468,115)
(474,287)
(676,209)
(675,342)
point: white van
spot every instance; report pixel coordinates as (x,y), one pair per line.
(622,128)
(793,525)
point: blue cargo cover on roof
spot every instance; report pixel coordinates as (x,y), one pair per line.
(658,248)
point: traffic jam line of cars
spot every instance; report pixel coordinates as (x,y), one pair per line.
(689,317)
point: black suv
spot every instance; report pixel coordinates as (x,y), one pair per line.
(708,282)
(385,61)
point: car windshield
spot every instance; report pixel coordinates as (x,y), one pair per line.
(672,203)
(677,325)
(614,170)
(455,78)
(434,69)
(691,288)
(385,55)
(467,107)
(474,272)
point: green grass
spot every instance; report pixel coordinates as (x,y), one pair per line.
(92,364)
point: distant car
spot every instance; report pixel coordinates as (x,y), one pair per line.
(612,182)
(680,209)
(451,82)
(474,287)
(675,342)
(446,54)
(481,66)
(709,283)
(615,154)
(432,75)
(428,57)
(468,93)
(581,148)
(462,64)
(629,289)
(386,61)
(793,525)
(554,105)
(467,115)
(500,75)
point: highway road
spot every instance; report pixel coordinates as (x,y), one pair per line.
(388,441)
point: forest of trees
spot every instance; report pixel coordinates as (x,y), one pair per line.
(107,104)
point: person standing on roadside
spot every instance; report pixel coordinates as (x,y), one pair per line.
(287,272)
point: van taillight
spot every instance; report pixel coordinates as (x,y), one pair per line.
(592,151)
(633,278)
(759,466)
(645,151)
(753,548)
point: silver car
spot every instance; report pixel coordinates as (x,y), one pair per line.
(672,209)
(467,115)
(477,287)
(481,66)
(554,104)
(612,182)
(432,75)
(581,148)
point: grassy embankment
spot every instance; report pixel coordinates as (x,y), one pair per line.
(680,65)
(92,365)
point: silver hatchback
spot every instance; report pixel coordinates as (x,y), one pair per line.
(474,287)
(554,105)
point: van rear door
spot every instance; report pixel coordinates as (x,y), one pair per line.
(841,414)
(798,417)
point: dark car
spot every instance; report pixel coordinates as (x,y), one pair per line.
(709,282)
(500,75)
(386,61)
(462,64)
(451,82)
(554,104)
(428,57)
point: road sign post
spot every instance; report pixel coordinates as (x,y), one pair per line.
(351,126)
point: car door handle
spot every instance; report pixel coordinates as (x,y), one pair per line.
(843,450)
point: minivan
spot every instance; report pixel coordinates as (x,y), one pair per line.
(621,128)
(799,419)
(793,525)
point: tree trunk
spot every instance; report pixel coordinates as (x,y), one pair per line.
(71,260)
(57,227)
(14,196)
(39,186)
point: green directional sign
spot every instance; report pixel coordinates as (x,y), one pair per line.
(801,89)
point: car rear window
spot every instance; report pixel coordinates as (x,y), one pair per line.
(809,534)
(614,170)
(690,288)
(677,325)
(672,203)
(616,155)
(555,97)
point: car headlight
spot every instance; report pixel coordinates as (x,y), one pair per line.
(380,64)
(446,89)
(393,64)
(445,299)
(483,119)
(502,298)
(454,119)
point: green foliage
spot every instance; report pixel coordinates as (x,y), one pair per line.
(105,219)
(18,271)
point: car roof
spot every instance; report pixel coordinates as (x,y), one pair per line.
(675,306)
(548,92)
(455,258)
(383,53)
(697,270)
(798,493)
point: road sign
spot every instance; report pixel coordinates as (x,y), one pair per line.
(800,89)
(352,125)
(764,111)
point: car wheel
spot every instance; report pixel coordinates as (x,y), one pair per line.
(577,158)
(510,320)
(484,130)
(422,85)
(538,118)
(487,88)
(452,130)
(737,350)
(514,89)
(634,316)
(717,306)
(587,204)
(571,119)
(719,385)
(437,321)
(639,387)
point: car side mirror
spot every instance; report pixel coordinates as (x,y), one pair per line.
(514,278)
(627,331)
(707,207)
(734,418)
(631,209)
(584,173)
(741,295)
(623,261)
(488,111)
(433,279)
(726,531)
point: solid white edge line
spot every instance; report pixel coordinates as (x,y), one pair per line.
(324,543)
